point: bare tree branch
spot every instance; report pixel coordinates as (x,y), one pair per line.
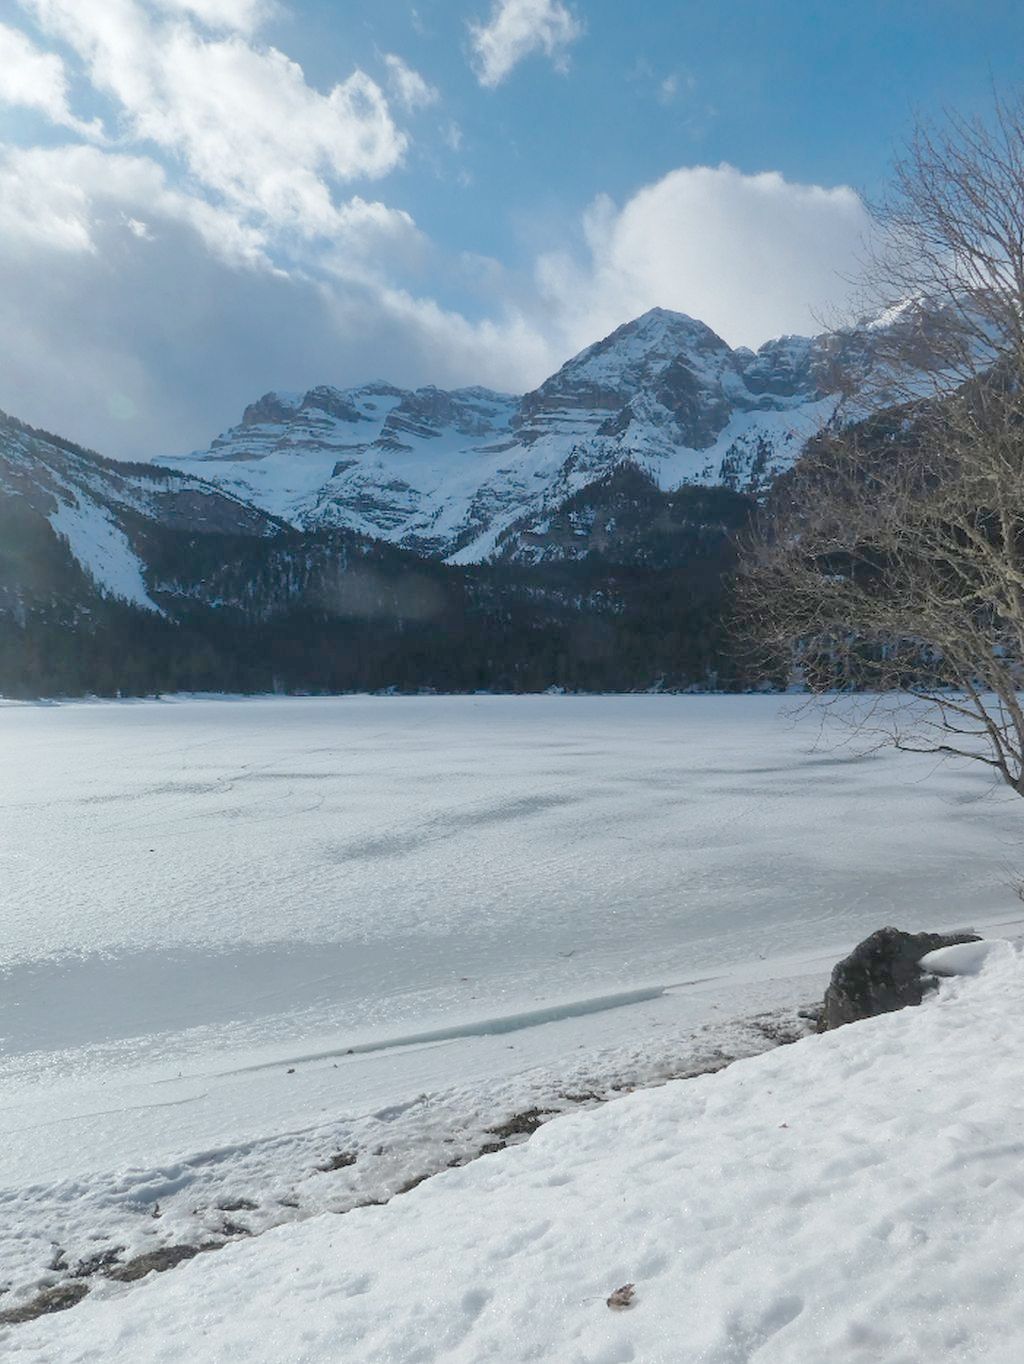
(892,557)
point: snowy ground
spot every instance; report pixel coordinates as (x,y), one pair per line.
(854,1197)
(246,940)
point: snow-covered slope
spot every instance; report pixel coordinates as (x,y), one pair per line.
(100,510)
(449,473)
(853,1197)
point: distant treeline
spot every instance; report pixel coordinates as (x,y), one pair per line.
(496,629)
(334,612)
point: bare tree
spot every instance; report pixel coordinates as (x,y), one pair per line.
(893,555)
(947,253)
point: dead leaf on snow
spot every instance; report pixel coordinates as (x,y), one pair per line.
(622,1297)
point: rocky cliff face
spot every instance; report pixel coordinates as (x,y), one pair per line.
(624,519)
(448,474)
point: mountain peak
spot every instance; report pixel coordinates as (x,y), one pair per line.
(669,316)
(666,322)
(631,355)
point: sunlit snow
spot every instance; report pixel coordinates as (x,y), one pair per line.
(854,1197)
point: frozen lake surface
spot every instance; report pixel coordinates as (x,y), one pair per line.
(367,865)
(248,927)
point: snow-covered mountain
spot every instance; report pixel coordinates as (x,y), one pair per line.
(449,474)
(75,524)
(301,551)
(130,578)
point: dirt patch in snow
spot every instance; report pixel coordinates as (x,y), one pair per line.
(157,1261)
(56,1299)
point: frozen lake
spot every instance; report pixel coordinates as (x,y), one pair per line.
(367,866)
(227,924)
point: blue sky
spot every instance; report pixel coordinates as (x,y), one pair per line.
(204,199)
(820,90)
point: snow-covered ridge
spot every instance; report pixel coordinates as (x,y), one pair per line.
(854,1197)
(447,473)
(97,506)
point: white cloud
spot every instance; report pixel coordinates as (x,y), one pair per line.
(242,119)
(147,343)
(209,254)
(244,16)
(63,198)
(121,293)
(138,228)
(115,281)
(409,87)
(668,89)
(37,80)
(751,255)
(517,29)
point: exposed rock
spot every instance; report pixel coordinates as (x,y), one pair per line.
(93,1264)
(882,974)
(407,1187)
(335,404)
(231,1228)
(522,1124)
(270,408)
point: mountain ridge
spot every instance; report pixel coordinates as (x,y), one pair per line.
(447,473)
(126,579)
(580,536)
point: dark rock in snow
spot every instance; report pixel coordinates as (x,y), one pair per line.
(521,1124)
(93,1264)
(232,1228)
(407,1187)
(882,974)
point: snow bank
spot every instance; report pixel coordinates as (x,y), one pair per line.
(855,1197)
(966,958)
